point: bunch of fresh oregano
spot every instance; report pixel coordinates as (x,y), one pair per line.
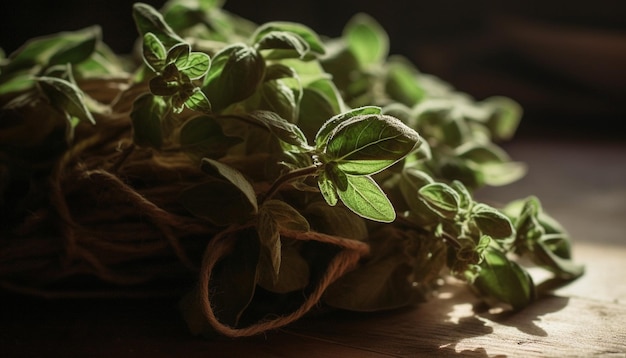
(264,168)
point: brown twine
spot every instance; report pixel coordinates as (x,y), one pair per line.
(139,224)
(220,246)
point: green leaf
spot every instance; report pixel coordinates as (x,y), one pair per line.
(315,109)
(366,198)
(233,176)
(336,175)
(321,138)
(57,49)
(465,197)
(235,74)
(148,19)
(178,54)
(277,96)
(327,188)
(500,174)
(154,53)
(196,65)
(367,144)
(492,222)
(274,215)
(280,127)
(402,82)
(550,254)
(202,136)
(66,97)
(282,44)
(198,102)
(506,116)
(146,116)
(304,33)
(366,39)
(502,281)
(441,199)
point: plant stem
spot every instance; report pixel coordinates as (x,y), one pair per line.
(290,176)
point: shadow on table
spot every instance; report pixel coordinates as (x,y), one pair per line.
(434,328)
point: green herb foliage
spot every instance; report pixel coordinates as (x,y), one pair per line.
(355,143)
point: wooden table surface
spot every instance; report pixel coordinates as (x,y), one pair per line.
(582,184)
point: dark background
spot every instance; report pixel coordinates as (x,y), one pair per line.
(564,61)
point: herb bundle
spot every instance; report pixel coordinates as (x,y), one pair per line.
(265,168)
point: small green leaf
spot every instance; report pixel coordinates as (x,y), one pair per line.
(502,281)
(274,215)
(233,176)
(321,138)
(465,197)
(235,74)
(146,116)
(57,49)
(196,66)
(277,96)
(367,144)
(327,188)
(66,97)
(281,128)
(402,82)
(506,116)
(198,102)
(148,19)
(202,136)
(492,222)
(154,53)
(441,199)
(178,54)
(338,177)
(367,39)
(282,44)
(304,33)
(366,198)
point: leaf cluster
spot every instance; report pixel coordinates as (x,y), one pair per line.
(298,133)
